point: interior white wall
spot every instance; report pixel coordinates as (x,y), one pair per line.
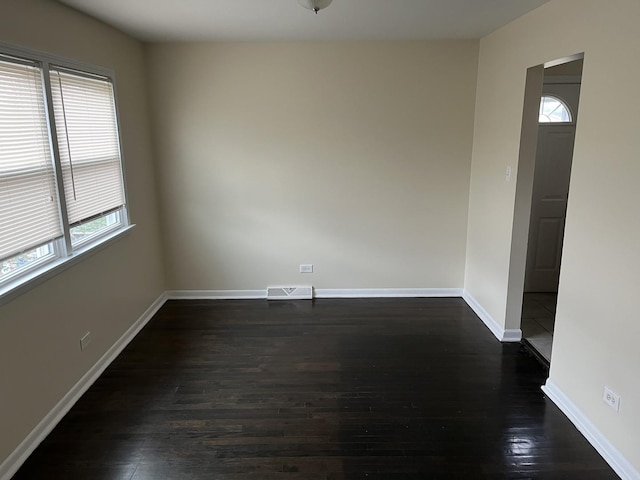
(597,317)
(354,157)
(40,331)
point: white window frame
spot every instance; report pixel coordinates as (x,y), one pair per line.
(64,254)
(564,104)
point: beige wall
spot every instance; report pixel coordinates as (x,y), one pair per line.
(352,156)
(597,324)
(40,358)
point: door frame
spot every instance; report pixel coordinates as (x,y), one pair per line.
(524,189)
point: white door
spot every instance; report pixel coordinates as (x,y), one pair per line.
(550,193)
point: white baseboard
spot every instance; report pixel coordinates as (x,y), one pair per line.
(318,293)
(611,455)
(216,294)
(386,292)
(513,335)
(13,462)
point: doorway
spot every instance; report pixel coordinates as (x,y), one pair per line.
(559,107)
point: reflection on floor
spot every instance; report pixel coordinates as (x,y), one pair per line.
(538,318)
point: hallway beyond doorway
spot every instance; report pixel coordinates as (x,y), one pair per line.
(538,320)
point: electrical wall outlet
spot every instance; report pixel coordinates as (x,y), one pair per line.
(611,398)
(306,268)
(85,341)
(507,174)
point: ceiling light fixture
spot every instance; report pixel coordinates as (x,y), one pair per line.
(315,5)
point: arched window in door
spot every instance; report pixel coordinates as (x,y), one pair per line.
(554,110)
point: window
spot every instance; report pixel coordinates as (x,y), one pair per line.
(554,110)
(61,180)
(89,148)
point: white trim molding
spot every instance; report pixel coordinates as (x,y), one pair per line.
(318,293)
(15,460)
(611,454)
(216,294)
(386,292)
(507,336)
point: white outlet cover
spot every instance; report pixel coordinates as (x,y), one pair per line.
(611,398)
(306,268)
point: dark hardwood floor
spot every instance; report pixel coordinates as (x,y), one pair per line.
(330,389)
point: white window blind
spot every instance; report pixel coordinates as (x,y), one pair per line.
(29,213)
(87,132)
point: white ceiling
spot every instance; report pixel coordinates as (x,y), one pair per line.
(284,20)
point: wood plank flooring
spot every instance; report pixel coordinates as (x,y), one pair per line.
(324,390)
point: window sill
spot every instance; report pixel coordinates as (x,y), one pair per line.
(25,283)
